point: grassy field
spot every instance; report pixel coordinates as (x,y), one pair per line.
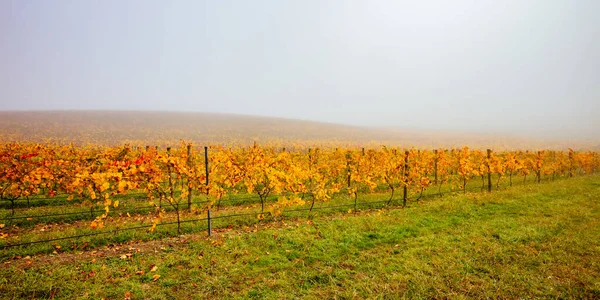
(533,241)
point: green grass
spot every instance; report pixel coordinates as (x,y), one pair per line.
(532,241)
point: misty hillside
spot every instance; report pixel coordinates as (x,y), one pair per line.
(168,128)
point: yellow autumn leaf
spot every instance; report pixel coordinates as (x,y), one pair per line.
(122,186)
(104,186)
(155,277)
(154,223)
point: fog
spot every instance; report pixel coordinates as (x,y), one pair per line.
(525,68)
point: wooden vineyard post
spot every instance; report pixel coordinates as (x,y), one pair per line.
(310,168)
(570,164)
(435,167)
(189,163)
(405,195)
(207,171)
(539,171)
(348,171)
(489,169)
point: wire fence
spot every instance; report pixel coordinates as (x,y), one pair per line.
(96,210)
(114,231)
(209,219)
(92,211)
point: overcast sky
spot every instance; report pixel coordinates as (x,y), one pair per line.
(518,67)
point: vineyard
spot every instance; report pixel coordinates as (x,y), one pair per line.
(62,196)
